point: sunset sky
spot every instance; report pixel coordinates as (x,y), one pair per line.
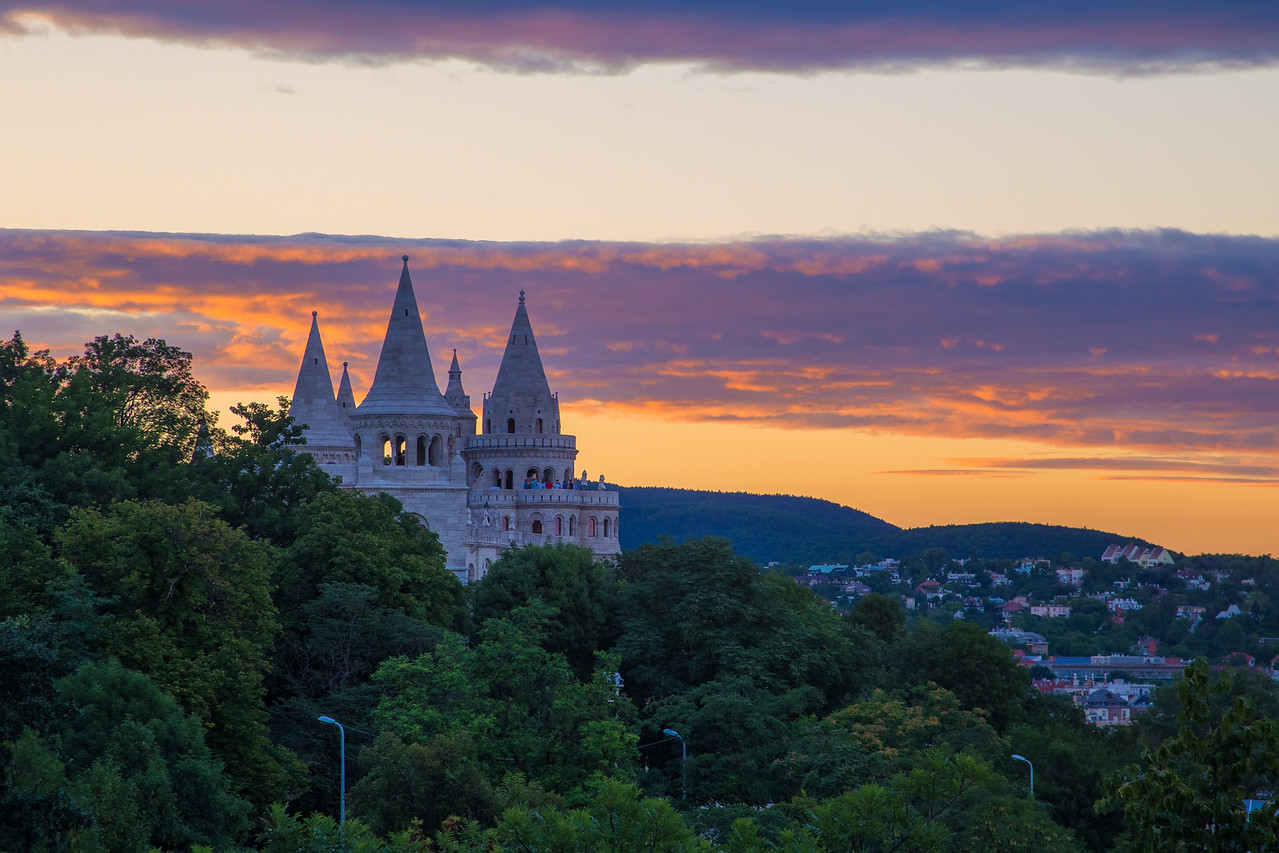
(1014,262)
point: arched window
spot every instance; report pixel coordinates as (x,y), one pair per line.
(506,522)
(477,472)
(401,447)
(530,474)
(510,478)
(606,528)
(388,452)
(497,479)
(510,424)
(487,563)
(421,450)
(359,445)
(590,527)
(548,477)
(539,425)
(572,525)
(559,525)
(437,451)
(537,525)
(568,476)
(488,426)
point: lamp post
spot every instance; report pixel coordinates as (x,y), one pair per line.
(342,790)
(683,761)
(1032,772)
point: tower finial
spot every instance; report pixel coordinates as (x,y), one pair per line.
(405,258)
(521,294)
(315,313)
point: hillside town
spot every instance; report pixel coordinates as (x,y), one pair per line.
(1104,631)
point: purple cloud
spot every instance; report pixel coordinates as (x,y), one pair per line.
(575,35)
(1144,342)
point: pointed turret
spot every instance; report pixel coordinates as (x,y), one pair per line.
(454,394)
(346,399)
(521,401)
(404,382)
(313,403)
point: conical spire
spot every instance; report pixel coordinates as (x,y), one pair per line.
(404,382)
(346,399)
(313,404)
(521,395)
(455,394)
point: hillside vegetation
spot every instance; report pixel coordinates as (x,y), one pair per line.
(803,531)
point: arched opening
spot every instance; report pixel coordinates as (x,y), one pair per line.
(437,451)
(559,525)
(510,478)
(606,528)
(539,425)
(572,525)
(568,477)
(488,426)
(477,471)
(548,477)
(537,525)
(401,448)
(487,563)
(359,446)
(497,479)
(590,527)
(530,477)
(510,424)
(421,450)
(506,522)
(388,452)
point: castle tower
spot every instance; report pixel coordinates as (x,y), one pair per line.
(407,434)
(408,440)
(328,435)
(521,468)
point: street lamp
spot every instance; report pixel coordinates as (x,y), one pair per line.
(1032,772)
(342,790)
(683,763)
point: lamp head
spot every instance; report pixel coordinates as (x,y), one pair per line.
(670,732)
(328,720)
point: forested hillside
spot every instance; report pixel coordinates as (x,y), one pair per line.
(185,614)
(803,531)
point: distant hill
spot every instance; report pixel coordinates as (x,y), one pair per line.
(790,529)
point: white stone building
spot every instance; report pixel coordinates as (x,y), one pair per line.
(475,491)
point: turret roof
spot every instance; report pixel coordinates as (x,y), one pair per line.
(455,394)
(346,398)
(313,403)
(405,381)
(521,378)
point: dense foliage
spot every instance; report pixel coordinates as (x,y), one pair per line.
(178,605)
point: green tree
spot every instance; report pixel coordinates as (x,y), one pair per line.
(881,615)
(191,603)
(967,661)
(1189,792)
(357,539)
(615,818)
(695,612)
(144,769)
(580,590)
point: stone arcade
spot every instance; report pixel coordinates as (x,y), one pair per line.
(407,439)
